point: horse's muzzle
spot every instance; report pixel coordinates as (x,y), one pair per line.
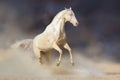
(76,24)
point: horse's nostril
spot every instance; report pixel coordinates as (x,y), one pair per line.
(77,23)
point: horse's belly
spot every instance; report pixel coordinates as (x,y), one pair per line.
(45,45)
(61,42)
(62,39)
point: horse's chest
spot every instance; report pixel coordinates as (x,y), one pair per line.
(61,38)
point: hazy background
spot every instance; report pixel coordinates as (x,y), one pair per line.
(97,36)
(98,33)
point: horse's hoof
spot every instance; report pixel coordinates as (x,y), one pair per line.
(40,62)
(57,64)
(73,64)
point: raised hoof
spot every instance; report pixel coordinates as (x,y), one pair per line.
(57,64)
(40,62)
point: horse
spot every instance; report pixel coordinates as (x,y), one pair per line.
(54,36)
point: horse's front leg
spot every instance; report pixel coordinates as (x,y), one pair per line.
(56,47)
(67,47)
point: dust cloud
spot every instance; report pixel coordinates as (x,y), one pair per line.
(27,19)
(21,63)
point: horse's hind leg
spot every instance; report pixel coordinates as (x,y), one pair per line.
(56,47)
(47,55)
(40,57)
(38,54)
(66,46)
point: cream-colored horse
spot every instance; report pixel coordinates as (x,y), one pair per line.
(54,36)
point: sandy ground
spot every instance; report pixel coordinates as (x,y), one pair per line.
(22,65)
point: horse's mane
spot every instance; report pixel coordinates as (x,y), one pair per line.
(58,15)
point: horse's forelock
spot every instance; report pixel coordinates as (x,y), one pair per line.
(70,10)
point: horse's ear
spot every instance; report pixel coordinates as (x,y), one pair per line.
(70,8)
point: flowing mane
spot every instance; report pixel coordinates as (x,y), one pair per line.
(58,16)
(56,21)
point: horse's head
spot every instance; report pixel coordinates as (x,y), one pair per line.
(70,16)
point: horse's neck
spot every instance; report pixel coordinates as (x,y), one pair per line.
(57,24)
(59,21)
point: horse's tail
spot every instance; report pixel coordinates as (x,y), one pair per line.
(23,44)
